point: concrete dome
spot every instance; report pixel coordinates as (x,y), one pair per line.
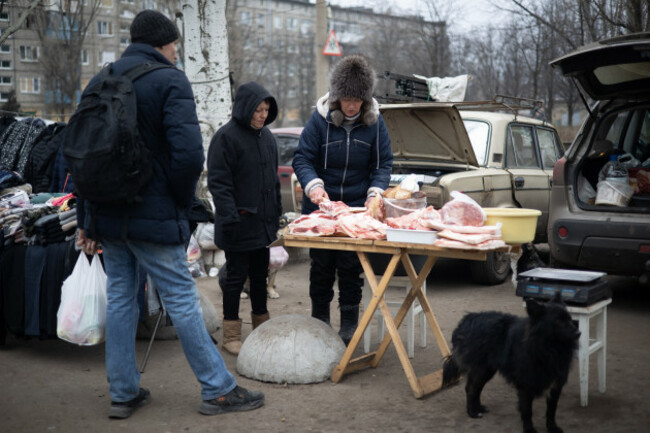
(290,349)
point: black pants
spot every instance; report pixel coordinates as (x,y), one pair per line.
(325,264)
(239,266)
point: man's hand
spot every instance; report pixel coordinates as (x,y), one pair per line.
(87,245)
(318,195)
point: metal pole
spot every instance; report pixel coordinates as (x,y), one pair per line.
(322,63)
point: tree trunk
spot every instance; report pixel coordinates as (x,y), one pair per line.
(206,62)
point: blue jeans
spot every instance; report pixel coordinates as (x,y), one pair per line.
(167,267)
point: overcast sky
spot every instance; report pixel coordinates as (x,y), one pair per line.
(470,13)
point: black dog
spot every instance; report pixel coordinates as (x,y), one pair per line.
(534,354)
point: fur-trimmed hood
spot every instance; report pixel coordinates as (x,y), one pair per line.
(369,112)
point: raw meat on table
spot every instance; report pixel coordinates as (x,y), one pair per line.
(362,226)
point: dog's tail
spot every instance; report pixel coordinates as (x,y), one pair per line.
(450,371)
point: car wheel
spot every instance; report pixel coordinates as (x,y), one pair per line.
(494,270)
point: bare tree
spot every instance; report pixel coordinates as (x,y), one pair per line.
(15,25)
(61,27)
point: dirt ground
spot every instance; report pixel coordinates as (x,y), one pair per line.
(54,386)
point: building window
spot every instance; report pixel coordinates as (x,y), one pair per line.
(124,41)
(305,27)
(30,85)
(125,27)
(104,28)
(260,19)
(128,15)
(4,96)
(292,23)
(107,3)
(5,80)
(277,22)
(4,16)
(128,1)
(149,4)
(245,18)
(28,54)
(5,49)
(84,57)
(5,64)
(260,42)
(106,57)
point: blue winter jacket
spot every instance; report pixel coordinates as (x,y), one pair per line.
(349,164)
(169,126)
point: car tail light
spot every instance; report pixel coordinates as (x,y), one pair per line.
(644,249)
(563,232)
(558,171)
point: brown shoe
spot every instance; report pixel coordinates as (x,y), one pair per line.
(257,320)
(232,336)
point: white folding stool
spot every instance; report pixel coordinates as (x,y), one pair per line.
(401,282)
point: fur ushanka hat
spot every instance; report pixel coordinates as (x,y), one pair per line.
(352,77)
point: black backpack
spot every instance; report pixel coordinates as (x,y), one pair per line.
(106,157)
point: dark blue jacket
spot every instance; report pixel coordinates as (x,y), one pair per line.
(348,164)
(169,126)
(243,175)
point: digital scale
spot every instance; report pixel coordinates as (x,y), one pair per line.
(575,287)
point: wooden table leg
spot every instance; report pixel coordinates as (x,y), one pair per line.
(423,385)
(347,364)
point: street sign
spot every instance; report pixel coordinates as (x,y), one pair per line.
(332,47)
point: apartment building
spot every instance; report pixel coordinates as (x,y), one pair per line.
(270,41)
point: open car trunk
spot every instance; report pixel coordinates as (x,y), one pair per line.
(616,74)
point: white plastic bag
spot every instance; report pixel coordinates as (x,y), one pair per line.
(81,318)
(278,257)
(462,210)
(410,183)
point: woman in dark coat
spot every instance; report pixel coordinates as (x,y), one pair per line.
(243,181)
(344,154)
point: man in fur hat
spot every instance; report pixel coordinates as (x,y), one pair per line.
(344,154)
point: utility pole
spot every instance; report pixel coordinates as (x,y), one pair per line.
(206,62)
(322,63)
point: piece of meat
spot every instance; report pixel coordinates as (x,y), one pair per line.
(487,245)
(314,224)
(468,238)
(411,220)
(334,208)
(362,226)
(462,211)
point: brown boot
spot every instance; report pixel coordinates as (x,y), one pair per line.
(232,336)
(257,320)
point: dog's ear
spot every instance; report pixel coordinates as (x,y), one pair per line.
(535,309)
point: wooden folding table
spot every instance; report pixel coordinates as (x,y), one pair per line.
(423,385)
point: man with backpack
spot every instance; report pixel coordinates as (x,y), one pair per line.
(150,228)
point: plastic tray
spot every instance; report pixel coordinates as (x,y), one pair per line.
(411,236)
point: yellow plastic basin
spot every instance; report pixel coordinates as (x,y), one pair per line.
(517,225)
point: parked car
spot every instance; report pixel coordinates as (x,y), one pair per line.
(615,74)
(287,140)
(486,149)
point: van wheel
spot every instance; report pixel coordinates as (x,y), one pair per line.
(494,270)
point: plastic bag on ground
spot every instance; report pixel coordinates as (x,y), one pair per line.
(81,318)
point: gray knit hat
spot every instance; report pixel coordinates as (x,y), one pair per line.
(153,28)
(352,77)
